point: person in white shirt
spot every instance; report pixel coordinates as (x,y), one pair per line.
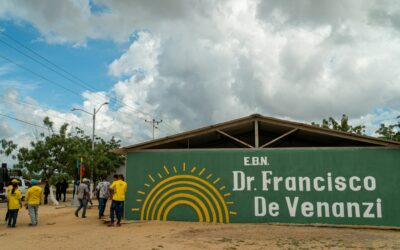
(103,195)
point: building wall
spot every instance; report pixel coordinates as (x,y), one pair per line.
(350,186)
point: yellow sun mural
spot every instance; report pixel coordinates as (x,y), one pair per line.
(184,186)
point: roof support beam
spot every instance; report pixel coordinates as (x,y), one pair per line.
(279,138)
(234,138)
(256,137)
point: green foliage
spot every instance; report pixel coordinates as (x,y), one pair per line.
(390,132)
(54,156)
(342,125)
(7,148)
(102,158)
(50,156)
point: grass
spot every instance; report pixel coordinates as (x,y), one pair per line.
(225,240)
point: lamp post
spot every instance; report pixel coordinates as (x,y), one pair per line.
(94,126)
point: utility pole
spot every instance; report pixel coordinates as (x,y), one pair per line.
(93,136)
(154,123)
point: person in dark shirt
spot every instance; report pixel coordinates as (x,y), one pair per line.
(64,187)
(46,192)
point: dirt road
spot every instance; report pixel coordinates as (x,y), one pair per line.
(60,229)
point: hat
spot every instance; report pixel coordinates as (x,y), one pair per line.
(14,181)
(34,182)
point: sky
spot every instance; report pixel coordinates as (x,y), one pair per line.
(194,63)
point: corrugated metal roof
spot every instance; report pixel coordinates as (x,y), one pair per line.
(268,126)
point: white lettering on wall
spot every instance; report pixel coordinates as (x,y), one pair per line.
(255,161)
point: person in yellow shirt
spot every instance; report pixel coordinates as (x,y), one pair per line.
(33,199)
(14,203)
(118,190)
(9,188)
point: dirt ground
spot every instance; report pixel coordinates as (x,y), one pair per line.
(59,228)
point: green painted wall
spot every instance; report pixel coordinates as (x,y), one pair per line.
(329,186)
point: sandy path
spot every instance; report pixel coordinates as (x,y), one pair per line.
(60,229)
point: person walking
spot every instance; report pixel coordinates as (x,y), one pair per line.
(46,192)
(33,199)
(58,190)
(118,189)
(74,192)
(64,187)
(14,204)
(83,197)
(9,188)
(103,195)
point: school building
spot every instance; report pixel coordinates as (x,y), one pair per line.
(259,169)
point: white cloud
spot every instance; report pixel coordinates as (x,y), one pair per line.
(141,57)
(194,63)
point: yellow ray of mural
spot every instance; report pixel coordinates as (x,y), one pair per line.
(175,169)
(151,178)
(135,209)
(216,180)
(202,171)
(184,166)
(166,170)
(232,212)
(148,207)
(146,210)
(159,175)
(193,169)
(141,192)
(222,188)
(139,200)
(146,185)
(227,194)
(179,194)
(189,203)
(230,202)
(209,176)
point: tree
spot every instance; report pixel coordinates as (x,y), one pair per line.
(7,148)
(55,156)
(343,125)
(50,156)
(102,159)
(390,132)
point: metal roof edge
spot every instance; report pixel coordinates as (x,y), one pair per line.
(277,121)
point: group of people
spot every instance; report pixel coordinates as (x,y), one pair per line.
(61,189)
(33,199)
(104,190)
(34,195)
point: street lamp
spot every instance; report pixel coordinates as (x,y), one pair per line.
(94,126)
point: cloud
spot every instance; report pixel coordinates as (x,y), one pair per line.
(194,63)
(58,22)
(312,13)
(242,65)
(140,58)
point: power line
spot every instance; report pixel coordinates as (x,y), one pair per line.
(70,122)
(77,80)
(42,57)
(37,61)
(36,106)
(29,123)
(38,75)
